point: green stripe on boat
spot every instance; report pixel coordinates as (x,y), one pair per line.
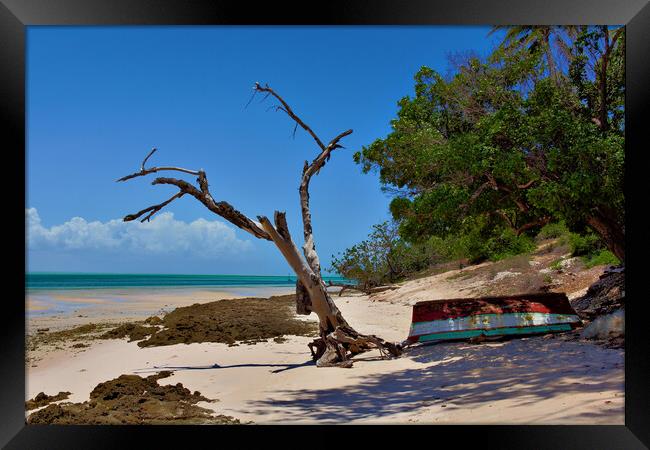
(495,332)
(490,321)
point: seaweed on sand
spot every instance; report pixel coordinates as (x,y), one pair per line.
(249,320)
(133,400)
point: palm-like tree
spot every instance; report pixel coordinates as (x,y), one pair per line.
(534,37)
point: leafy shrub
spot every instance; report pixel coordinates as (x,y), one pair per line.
(458,246)
(591,249)
(383,258)
(584,245)
(479,240)
(508,244)
(552,231)
(601,257)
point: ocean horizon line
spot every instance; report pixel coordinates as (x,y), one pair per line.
(102,280)
(46,272)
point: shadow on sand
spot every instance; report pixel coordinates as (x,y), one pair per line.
(231,366)
(463,376)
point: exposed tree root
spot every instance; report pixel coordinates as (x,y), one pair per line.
(338,347)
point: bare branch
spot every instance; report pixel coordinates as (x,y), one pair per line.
(153,150)
(144,171)
(287,109)
(288,250)
(223,209)
(203,195)
(309,170)
(250,99)
(280,219)
(157,169)
(154,209)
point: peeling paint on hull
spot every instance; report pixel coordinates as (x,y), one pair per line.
(442,320)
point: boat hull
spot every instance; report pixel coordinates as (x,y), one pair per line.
(463,318)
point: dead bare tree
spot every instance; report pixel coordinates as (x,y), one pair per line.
(338,341)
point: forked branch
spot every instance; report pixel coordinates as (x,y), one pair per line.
(309,170)
(287,109)
(144,171)
(202,194)
(154,209)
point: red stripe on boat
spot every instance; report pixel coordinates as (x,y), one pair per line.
(554,303)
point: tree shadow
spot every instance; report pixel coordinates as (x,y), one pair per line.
(465,375)
(284,367)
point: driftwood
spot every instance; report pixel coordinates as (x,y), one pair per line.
(338,341)
(368,290)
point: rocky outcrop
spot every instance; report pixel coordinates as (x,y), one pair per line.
(605,296)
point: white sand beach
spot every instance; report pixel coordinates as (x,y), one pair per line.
(534,380)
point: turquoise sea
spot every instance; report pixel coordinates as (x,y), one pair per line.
(48,281)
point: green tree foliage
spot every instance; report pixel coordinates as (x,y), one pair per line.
(382,258)
(530,135)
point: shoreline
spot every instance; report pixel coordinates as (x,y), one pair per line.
(536,380)
(58,310)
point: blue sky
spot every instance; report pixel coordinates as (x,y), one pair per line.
(99,98)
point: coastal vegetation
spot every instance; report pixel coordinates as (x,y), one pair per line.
(525,143)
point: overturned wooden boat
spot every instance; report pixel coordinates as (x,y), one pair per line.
(466,318)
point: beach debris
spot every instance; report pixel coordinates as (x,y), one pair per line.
(368,290)
(43,399)
(487,317)
(131,399)
(42,330)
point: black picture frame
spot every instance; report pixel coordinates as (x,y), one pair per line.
(15,15)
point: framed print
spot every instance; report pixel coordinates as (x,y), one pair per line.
(255,217)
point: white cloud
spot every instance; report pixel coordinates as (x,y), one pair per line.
(162,235)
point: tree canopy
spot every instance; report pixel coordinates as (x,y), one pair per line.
(532,134)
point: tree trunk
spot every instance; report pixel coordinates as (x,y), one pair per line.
(338,341)
(611,232)
(303,302)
